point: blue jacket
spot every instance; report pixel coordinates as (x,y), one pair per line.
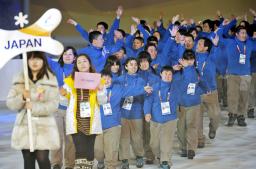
(189,77)
(152,105)
(98,56)
(233,54)
(108,37)
(115,94)
(207,71)
(60,73)
(136,110)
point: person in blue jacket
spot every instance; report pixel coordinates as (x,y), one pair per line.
(97,52)
(239,52)
(101,27)
(148,74)
(113,65)
(206,66)
(132,114)
(189,106)
(62,69)
(160,110)
(107,144)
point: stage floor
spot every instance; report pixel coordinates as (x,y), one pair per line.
(233,147)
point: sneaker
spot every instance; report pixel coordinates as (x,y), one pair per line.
(164,165)
(139,162)
(241,121)
(125,164)
(56,166)
(200,145)
(212,132)
(231,119)
(250,113)
(191,154)
(100,165)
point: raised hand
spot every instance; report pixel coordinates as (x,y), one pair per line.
(136,20)
(147,117)
(174,31)
(119,11)
(72,22)
(215,40)
(253,12)
(133,29)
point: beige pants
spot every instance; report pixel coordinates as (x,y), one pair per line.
(131,133)
(252,96)
(146,141)
(107,146)
(162,139)
(209,104)
(222,89)
(188,127)
(66,142)
(238,93)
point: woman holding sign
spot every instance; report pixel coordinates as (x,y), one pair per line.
(83,114)
(44,99)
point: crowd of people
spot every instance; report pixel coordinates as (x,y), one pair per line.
(156,82)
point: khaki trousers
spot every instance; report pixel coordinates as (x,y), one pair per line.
(162,139)
(66,143)
(252,95)
(222,89)
(107,146)
(146,141)
(131,133)
(209,104)
(238,93)
(188,127)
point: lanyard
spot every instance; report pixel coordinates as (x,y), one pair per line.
(109,95)
(239,48)
(168,96)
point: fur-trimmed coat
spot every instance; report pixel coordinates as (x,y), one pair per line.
(44,99)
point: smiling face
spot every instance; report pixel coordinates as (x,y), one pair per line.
(137,44)
(152,51)
(144,65)
(166,76)
(114,68)
(131,67)
(98,42)
(68,57)
(83,64)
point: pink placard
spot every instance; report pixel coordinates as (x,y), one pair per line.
(87,80)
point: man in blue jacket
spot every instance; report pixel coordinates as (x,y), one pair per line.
(160,110)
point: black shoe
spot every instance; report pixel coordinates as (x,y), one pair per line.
(149,161)
(139,162)
(100,165)
(191,154)
(125,164)
(164,165)
(241,121)
(184,153)
(250,113)
(212,132)
(231,119)
(200,145)
(56,166)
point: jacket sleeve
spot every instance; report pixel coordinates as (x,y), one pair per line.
(14,99)
(82,32)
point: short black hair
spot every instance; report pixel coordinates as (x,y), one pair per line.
(104,24)
(152,39)
(148,45)
(210,23)
(207,43)
(190,35)
(189,55)
(239,28)
(139,38)
(94,35)
(144,55)
(167,68)
(122,32)
(129,60)
(192,29)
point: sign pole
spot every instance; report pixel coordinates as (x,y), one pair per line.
(26,79)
